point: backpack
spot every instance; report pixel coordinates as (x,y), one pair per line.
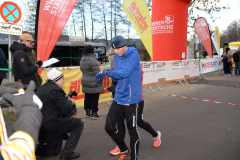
(236,57)
(225,59)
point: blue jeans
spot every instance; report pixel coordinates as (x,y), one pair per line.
(237,68)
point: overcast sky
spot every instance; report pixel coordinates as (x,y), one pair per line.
(226,16)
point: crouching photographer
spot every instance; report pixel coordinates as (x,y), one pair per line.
(57,120)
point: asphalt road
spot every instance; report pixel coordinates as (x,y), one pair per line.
(191,129)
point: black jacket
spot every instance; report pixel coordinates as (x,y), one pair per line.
(23,69)
(55,109)
(3,61)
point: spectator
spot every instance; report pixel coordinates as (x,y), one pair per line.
(90,67)
(110,55)
(205,54)
(236,58)
(33,56)
(23,69)
(224,62)
(215,55)
(229,61)
(3,64)
(56,120)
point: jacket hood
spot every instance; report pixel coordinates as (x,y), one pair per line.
(18,46)
(110,53)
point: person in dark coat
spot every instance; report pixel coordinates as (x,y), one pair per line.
(205,54)
(111,55)
(23,69)
(90,67)
(56,123)
(3,64)
(33,56)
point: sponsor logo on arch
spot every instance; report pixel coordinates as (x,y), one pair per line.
(163,26)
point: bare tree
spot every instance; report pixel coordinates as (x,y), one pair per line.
(232,33)
(91,12)
(104,21)
(29,15)
(207,6)
(111,17)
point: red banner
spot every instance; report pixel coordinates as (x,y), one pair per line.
(169,29)
(202,30)
(53,15)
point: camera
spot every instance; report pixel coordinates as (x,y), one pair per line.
(71,94)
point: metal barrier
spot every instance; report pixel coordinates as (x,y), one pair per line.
(6,69)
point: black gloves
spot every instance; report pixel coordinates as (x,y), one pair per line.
(40,63)
(16,85)
(9,88)
(27,99)
(4,89)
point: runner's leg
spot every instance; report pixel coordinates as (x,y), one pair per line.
(131,119)
(142,124)
(114,114)
(121,126)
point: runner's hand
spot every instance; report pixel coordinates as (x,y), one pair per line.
(99,76)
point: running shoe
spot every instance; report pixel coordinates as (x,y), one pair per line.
(157,140)
(124,156)
(116,151)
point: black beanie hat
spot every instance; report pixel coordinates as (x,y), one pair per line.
(118,42)
(227,49)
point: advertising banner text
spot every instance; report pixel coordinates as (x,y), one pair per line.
(210,65)
(169,29)
(165,71)
(53,16)
(202,30)
(138,14)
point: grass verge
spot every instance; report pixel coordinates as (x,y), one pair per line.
(10,114)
